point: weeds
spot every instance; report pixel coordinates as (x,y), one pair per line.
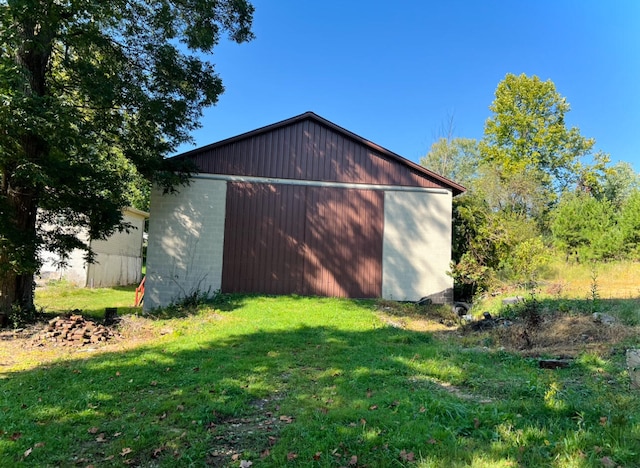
(594,293)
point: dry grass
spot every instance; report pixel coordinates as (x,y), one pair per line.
(615,280)
(562,335)
(20,351)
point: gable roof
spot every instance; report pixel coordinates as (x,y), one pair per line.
(310,116)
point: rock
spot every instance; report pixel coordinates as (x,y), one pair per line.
(605,319)
(633,364)
(554,363)
(512,300)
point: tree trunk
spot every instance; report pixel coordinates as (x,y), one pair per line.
(19,250)
(17,284)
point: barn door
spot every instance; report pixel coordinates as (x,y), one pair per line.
(295,239)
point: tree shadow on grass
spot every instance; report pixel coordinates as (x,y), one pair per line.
(313,396)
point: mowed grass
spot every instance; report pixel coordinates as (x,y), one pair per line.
(290,381)
(58,297)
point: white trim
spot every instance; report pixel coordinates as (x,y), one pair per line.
(318,183)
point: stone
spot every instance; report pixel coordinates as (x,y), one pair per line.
(512,300)
(633,364)
(604,319)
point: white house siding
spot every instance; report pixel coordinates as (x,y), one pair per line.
(119,258)
(417,246)
(75,269)
(186,240)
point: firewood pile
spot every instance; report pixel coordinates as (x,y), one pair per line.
(75,330)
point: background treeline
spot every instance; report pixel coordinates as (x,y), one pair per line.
(537,190)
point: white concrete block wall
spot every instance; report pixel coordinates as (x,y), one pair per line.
(186,240)
(416,249)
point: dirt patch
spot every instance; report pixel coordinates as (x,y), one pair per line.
(254,434)
(24,349)
(555,334)
(563,335)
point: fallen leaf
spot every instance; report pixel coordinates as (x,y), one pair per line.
(245,463)
(353,461)
(422,409)
(373,407)
(272,440)
(603,421)
(27,452)
(235,457)
(38,445)
(109,458)
(118,374)
(180,407)
(154,383)
(608,462)
(125,451)
(93,430)
(15,436)
(406,456)
(317,455)
(292,456)
(265,453)
(476,423)
(117,434)
(432,441)
(101,437)
(287,419)
(157,452)
(369,393)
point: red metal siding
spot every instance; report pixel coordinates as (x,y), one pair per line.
(292,239)
(308,150)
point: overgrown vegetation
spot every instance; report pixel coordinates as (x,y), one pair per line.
(293,381)
(537,189)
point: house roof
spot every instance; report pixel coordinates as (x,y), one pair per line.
(455,187)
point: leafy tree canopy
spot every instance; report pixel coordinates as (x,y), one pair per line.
(92,95)
(455,158)
(527,134)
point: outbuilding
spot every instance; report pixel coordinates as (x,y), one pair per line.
(117,262)
(305,207)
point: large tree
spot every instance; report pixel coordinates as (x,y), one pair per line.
(529,146)
(453,157)
(92,94)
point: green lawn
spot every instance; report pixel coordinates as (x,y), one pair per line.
(59,296)
(295,381)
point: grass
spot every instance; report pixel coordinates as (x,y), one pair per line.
(60,296)
(294,381)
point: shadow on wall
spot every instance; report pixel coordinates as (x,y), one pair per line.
(185,243)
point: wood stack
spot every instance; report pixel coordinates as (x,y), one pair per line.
(75,330)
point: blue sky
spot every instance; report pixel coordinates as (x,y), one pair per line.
(395,72)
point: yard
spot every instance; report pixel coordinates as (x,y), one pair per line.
(293,381)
